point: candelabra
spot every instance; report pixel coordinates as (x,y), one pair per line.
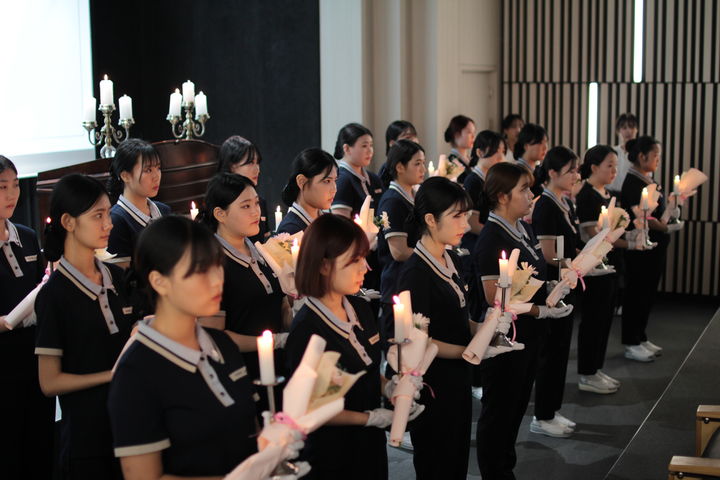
(500,339)
(676,205)
(108,133)
(190,127)
(560,261)
(646,228)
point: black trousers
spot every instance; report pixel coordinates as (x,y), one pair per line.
(597,312)
(643,271)
(507,381)
(552,366)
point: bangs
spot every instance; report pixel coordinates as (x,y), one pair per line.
(151,160)
(205,252)
(463,205)
(360,246)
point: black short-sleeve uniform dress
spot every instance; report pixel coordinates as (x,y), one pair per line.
(398,205)
(128,221)
(441,434)
(555,216)
(87,325)
(26,436)
(643,268)
(459,159)
(194,406)
(508,378)
(598,299)
(296,220)
(349,452)
(264,224)
(474,185)
(352,189)
(252,300)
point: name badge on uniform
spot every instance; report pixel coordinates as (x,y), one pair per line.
(263,218)
(238,374)
(31,258)
(127,310)
(374,339)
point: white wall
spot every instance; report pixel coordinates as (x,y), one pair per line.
(46,74)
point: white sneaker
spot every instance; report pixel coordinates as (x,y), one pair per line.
(608,378)
(559,418)
(477,392)
(595,384)
(549,428)
(657,351)
(639,353)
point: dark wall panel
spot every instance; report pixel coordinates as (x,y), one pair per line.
(258,61)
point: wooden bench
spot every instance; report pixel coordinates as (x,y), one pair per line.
(706,464)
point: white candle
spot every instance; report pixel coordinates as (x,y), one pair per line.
(175,99)
(358,220)
(106,92)
(200,105)
(278,217)
(644,204)
(125,104)
(560,247)
(406,300)
(188,92)
(503,265)
(193,210)
(265,346)
(431,168)
(294,251)
(604,217)
(676,184)
(399,317)
(90,111)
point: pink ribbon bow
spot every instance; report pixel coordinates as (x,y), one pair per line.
(285,419)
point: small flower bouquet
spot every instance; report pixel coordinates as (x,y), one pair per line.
(448,169)
(690,180)
(103,255)
(277,252)
(618,221)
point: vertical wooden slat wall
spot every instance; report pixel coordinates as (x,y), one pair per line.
(554,48)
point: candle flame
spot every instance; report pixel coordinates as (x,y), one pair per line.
(603,209)
(504,255)
(396,300)
(48,220)
(278,209)
(192,205)
(267,334)
(177,90)
(357,219)
(106,76)
(295,242)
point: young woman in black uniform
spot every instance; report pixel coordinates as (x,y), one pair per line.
(83,321)
(310,189)
(26,437)
(406,169)
(252,298)
(507,379)
(510,128)
(134,180)
(330,269)
(397,130)
(460,134)
(181,400)
(643,268)
(554,216)
(239,155)
(530,150)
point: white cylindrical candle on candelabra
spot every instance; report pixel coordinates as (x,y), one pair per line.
(278,217)
(399,319)
(560,247)
(604,217)
(175,100)
(265,346)
(193,211)
(676,184)
(106,91)
(406,300)
(200,105)
(644,202)
(188,92)
(125,106)
(90,112)
(503,265)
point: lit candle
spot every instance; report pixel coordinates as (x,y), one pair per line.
(644,203)
(503,264)
(294,251)
(200,105)
(106,92)
(399,317)
(604,217)
(188,92)
(193,210)
(125,104)
(175,99)
(676,185)
(265,346)
(278,217)
(90,110)
(431,168)
(560,247)
(406,300)
(358,220)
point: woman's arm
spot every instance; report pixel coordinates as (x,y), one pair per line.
(349,417)
(548,248)
(489,289)
(449,350)
(149,467)
(658,225)
(399,248)
(53,381)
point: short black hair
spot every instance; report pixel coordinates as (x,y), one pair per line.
(456,125)
(348,135)
(502,178)
(222,190)
(555,159)
(237,150)
(636,146)
(530,134)
(627,119)
(7,164)
(400,153)
(435,196)
(595,156)
(486,141)
(128,153)
(397,128)
(509,120)
(310,162)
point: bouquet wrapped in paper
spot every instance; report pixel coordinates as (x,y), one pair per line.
(24,312)
(277,252)
(618,221)
(689,182)
(448,169)
(259,465)
(417,355)
(103,255)
(589,258)
(478,348)
(524,285)
(367,221)
(653,197)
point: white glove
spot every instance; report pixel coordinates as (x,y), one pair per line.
(391,385)
(554,312)
(504,322)
(415,410)
(279,339)
(599,272)
(676,213)
(674,227)
(380,418)
(491,351)
(636,240)
(281,434)
(368,294)
(553,283)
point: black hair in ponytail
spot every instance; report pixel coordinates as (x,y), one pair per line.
(435,196)
(237,150)
(7,164)
(74,194)
(555,159)
(310,163)
(639,145)
(128,153)
(530,134)
(222,190)
(487,142)
(348,135)
(456,125)
(595,156)
(397,128)
(400,153)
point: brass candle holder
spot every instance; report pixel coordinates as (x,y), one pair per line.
(500,339)
(108,133)
(190,127)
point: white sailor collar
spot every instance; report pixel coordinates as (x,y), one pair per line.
(253,261)
(446,272)
(478,171)
(647,180)
(13,235)
(365,178)
(136,214)
(344,329)
(517,232)
(298,210)
(396,186)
